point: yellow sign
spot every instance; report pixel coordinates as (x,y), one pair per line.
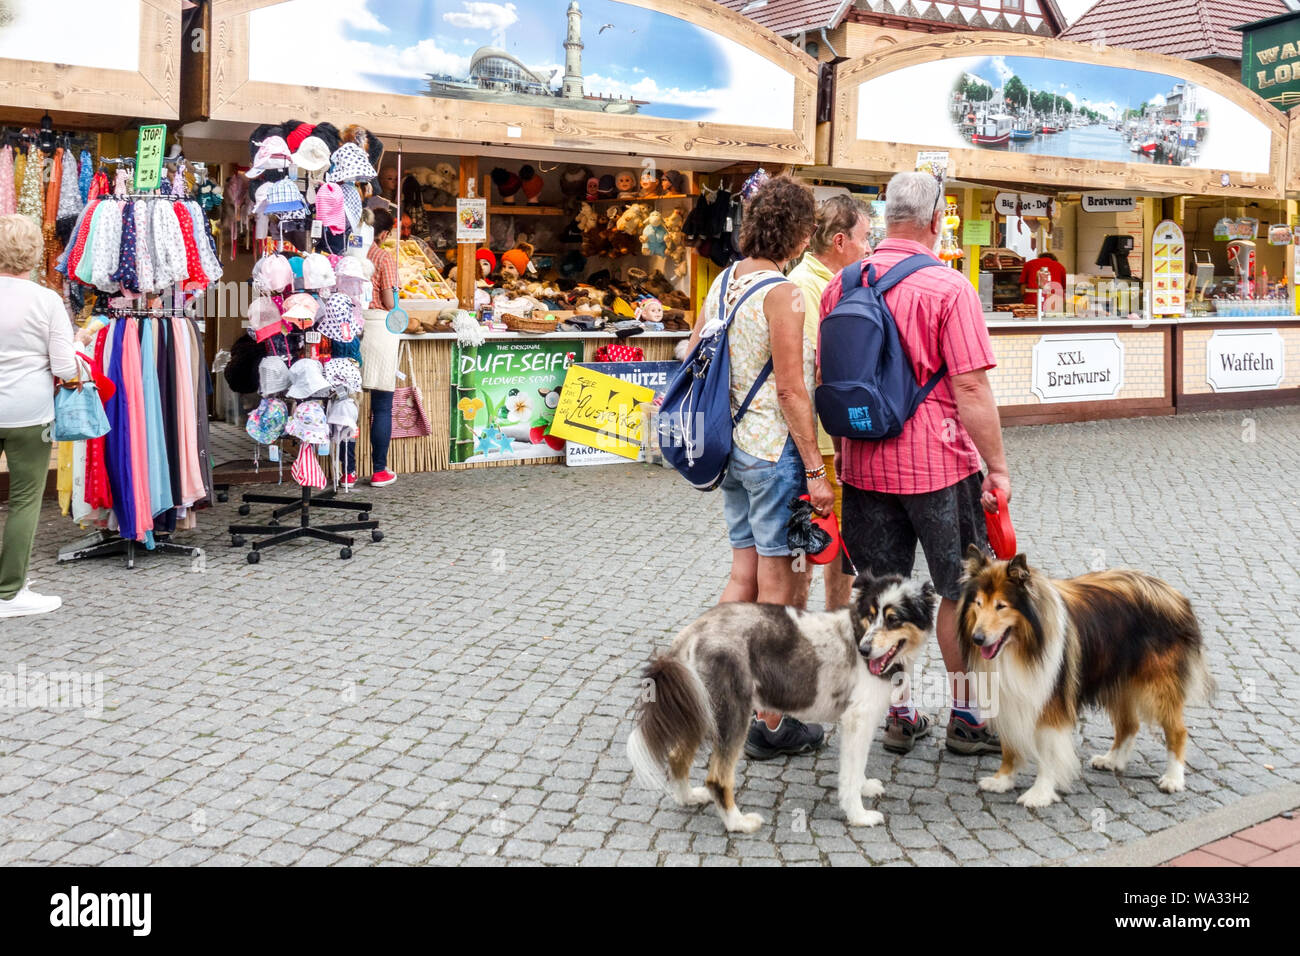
(601,411)
(977,232)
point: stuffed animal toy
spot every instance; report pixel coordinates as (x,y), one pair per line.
(531,183)
(674,239)
(625,183)
(586,217)
(649,183)
(507,183)
(672,183)
(652,235)
(605,188)
(593,189)
(633,219)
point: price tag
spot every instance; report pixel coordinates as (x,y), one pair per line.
(149,157)
(273,453)
(316,229)
(313,337)
(323,449)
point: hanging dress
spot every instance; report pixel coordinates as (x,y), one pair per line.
(160,489)
(8,191)
(98,491)
(118,440)
(138,450)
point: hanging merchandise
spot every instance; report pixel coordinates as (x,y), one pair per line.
(8,191)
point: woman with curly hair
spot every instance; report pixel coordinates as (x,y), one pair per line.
(775,457)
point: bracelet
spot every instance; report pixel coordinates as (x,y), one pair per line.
(815,473)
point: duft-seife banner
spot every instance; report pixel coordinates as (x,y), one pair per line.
(652,375)
(503,399)
(601,411)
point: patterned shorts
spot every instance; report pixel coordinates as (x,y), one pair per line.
(881,530)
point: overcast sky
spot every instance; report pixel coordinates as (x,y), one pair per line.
(1073,9)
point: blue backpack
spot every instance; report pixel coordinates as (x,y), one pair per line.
(868,389)
(695,420)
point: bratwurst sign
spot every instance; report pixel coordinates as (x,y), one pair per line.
(1087,367)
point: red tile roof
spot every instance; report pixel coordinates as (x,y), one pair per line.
(785,17)
(1191,29)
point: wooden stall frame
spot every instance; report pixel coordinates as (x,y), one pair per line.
(1188,402)
(233,96)
(1050,413)
(93,98)
(1028,171)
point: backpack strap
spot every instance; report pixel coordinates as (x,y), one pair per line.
(934,380)
(900,271)
(766,370)
(851,276)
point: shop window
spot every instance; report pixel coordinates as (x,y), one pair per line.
(1013,6)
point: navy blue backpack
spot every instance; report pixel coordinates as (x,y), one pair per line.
(868,389)
(695,420)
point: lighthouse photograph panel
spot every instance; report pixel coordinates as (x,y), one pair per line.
(592,55)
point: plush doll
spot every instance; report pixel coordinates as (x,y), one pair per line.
(507,183)
(652,235)
(672,183)
(574,181)
(674,239)
(633,219)
(586,217)
(650,310)
(532,184)
(649,183)
(625,183)
(593,189)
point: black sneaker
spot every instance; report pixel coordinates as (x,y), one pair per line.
(791,738)
(901,735)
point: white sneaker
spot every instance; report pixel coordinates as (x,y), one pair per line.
(29,602)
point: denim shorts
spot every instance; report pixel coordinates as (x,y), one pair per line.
(756,496)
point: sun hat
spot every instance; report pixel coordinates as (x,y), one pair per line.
(307,379)
(343,415)
(329,207)
(279,197)
(349,164)
(351,204)
(308,422)
(306,470)
(301,309)
(264,319)
(340,320)
(317,273)
(1002,536)
(266,422)
(273,375)
(272,274)
(312,154)
(272,153)
(344,374)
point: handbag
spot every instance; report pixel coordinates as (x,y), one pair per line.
(78,413)
(409,417)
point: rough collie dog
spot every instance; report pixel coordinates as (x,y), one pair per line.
(739,658)
(1122,640)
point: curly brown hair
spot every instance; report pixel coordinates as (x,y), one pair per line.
(777,220)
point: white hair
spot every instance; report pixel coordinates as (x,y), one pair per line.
(912,199)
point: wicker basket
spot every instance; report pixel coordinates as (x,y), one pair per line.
(519,323)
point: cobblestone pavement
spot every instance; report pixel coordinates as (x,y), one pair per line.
(460,692)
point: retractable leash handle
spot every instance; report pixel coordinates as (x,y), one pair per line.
(1001,534)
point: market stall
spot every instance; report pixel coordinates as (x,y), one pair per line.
(1113,208)
(575,211)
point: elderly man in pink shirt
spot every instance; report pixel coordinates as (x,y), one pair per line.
(925,485)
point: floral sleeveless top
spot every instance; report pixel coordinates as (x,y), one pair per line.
(763,431)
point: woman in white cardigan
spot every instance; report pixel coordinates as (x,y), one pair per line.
(35,346)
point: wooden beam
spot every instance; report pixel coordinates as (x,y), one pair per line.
(466,263)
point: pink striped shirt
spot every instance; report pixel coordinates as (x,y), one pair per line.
(939,321)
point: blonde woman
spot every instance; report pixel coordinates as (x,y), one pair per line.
(35,346)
